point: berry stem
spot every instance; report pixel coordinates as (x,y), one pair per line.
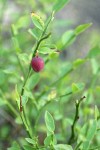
(39,42)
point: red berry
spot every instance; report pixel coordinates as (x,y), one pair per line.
(37,64)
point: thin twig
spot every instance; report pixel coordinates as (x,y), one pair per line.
(22,111)
(36,48)
(72,137)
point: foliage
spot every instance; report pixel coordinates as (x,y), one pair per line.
(40,106)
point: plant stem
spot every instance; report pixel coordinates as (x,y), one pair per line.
(22,111)
(25,125)
(72,137)
(36,48)
(78,145)
(22,91)
(39,42)
(24,122)
(66,94)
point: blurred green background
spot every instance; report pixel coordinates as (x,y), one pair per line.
(18,46)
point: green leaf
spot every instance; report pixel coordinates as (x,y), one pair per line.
(64,72)
(35,33)
(68,38)
(51,46)
(74,88)
(10,72)
(77,87)
(24,57)
(92,130)
(53,55)
(24,100)
(15,146)
(86,145)
(83,131)
(63,147)
(59,4)
(27,147)
(78,62)
(54,140)
(49,122)
(31,141)
(82,28)
(94,52)
(18,120)
(17,93)
(90,134)
(32,81)
(16,44)
(97,114)
(23,21)
(14,29)
(29,94)
(45,50)
(48,140)
(38,22)
(95,66)
(80,86)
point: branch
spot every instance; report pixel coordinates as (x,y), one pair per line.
(72,137)
(22,111)
(36,48)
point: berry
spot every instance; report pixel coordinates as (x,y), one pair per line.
(37,64)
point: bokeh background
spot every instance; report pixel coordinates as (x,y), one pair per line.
(17,12)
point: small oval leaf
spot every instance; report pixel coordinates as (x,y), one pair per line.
(31,141)
(62,147)
(82,28)
(38,22)
(49,122)
(59,4)
(32,81)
